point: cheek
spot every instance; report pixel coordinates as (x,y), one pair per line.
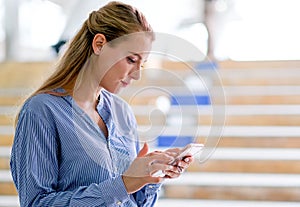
(111,75)
(110,81)
(123,67)
(116,73)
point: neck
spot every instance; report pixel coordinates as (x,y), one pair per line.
(86,89)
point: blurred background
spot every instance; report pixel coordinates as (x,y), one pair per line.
(246,82)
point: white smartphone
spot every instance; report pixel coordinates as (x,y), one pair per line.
(189,150)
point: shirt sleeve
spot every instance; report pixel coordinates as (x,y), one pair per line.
(35,170)
(148,195)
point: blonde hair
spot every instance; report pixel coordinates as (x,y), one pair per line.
(113,20)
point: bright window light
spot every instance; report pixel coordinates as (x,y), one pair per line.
(41,23)
(265,30)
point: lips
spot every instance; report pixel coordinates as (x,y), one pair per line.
(124,84)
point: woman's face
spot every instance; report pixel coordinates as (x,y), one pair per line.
(122,62)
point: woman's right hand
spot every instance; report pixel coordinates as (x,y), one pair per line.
(144,166)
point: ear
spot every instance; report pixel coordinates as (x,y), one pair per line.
(98,41)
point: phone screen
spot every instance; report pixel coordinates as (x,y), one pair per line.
(189,150)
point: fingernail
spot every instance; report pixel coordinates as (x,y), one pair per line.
(171,153)
(171,160)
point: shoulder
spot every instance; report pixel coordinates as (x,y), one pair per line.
(36,112)
(43,104)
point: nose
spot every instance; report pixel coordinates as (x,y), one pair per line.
(136,73)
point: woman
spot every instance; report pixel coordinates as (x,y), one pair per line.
(75,142)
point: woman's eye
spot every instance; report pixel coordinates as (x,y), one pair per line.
(131,60)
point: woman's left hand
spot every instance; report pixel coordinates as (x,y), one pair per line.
(180,166)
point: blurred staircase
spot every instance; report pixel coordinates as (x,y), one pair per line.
(16,82)
(258,156)
(257,160)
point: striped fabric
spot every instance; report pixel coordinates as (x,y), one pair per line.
(60,157)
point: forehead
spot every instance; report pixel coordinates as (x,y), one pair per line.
(135,44)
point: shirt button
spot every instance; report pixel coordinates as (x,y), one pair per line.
(119,203)
(151,186)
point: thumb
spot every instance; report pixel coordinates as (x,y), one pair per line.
(144,150)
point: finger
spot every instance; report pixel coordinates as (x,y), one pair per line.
(144,150)
(170,174)
(183,164)
(188,159)
(160,167)
(173,154)
(173,150)
(155,153)
(159,158)
(177,169)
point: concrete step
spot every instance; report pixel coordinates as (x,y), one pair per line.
(263,76)
(247,160)
(247,90)
(247,73)
(245,94)
(246,154)
(257,141)
(163,202)
(7,114)
(235,65)
(247,166)
(268,100)
(4,158)
(234,186)
(10,101)
(247,120)
(150,133)
(4,163)
(7,187)
(14,96)
(5,176)
(228,77)
(287,64)
(6,139)
(6,135)
(248,115)
(231,110)
(230,100)
(5,151)
(23,74)
(9,201)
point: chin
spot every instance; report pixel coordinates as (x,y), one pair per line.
(117,91)
(114,90)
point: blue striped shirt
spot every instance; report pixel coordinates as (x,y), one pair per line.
(60,157)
